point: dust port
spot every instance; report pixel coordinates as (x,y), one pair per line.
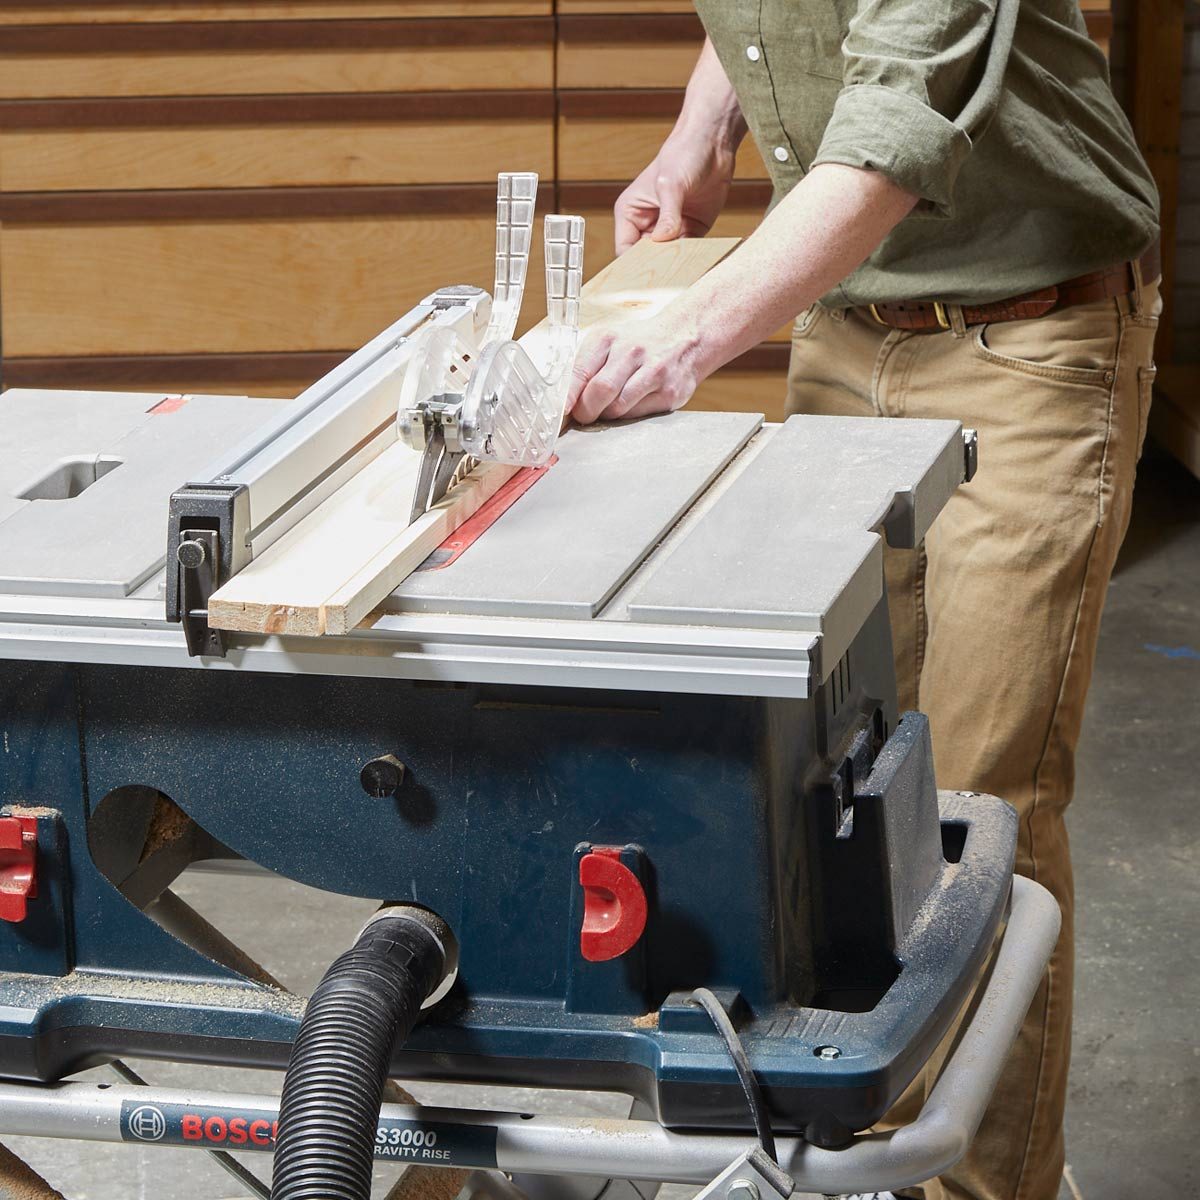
(69,478)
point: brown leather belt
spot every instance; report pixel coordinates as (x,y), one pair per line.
(930,316)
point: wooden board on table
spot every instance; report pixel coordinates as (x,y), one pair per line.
(328,572)
(339,563)
(642,281)
(742,214)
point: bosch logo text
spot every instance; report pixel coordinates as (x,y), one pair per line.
(399,1139)
(236,1131)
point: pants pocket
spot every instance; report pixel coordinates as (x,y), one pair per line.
(807,321)
(1039,347)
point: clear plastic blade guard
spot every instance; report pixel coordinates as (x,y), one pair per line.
(512,412)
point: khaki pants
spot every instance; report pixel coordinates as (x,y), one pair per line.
(996,617)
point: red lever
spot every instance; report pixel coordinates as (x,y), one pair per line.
(18,866)
(614,905)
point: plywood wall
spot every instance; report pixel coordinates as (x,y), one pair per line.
(209,195)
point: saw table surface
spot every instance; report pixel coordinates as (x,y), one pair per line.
(693,551)
(85,479)
(571,541)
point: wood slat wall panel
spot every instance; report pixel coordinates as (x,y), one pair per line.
(277,58)
(232,286)
(279,73)
(98,12)
(272,376)
(685,6)
(1186,321)
(567,7)
(644,50)
(1157,49)
(733,390)
(652,64)
(303,154)
(619,147)
(270,288)
(629,51)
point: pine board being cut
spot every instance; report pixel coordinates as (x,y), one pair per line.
(337,564)
(340,563)
(640,283)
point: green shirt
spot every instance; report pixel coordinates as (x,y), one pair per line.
(997,113)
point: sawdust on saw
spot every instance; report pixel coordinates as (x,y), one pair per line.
(168,825)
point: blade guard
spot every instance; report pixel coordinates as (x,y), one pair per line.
(512,412)
(516,197)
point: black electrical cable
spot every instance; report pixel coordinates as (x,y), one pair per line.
(741,1064)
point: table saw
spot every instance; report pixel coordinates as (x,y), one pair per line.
(637,744)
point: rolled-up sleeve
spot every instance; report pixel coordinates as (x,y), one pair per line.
(922,80)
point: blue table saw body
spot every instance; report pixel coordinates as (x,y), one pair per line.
(792,852)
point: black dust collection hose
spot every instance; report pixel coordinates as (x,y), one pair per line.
(369,999)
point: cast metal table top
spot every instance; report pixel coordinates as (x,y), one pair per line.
(694,552)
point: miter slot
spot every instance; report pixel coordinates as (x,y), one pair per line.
(798,531)
(567,546)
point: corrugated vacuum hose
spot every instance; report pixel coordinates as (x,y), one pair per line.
(369,1000)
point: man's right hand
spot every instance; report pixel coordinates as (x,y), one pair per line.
(680,194)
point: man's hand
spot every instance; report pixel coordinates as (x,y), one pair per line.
(824,228)
(680,194)
(636,368)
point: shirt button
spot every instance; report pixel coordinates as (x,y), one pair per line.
(753,53)
(781,154)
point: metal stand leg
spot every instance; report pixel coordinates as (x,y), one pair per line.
(560,1187)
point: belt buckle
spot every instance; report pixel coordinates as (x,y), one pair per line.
(939,311)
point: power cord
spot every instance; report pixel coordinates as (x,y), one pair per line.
(741,1064)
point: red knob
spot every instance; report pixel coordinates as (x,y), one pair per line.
(614,905)
(18,866)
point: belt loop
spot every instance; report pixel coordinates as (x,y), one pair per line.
(1135,297)
(958,322)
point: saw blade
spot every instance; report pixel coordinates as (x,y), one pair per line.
(442,470)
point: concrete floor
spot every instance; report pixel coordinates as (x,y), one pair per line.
(1135,1095)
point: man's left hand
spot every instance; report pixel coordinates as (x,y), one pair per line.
(635,369)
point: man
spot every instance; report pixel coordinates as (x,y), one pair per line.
(965,222)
